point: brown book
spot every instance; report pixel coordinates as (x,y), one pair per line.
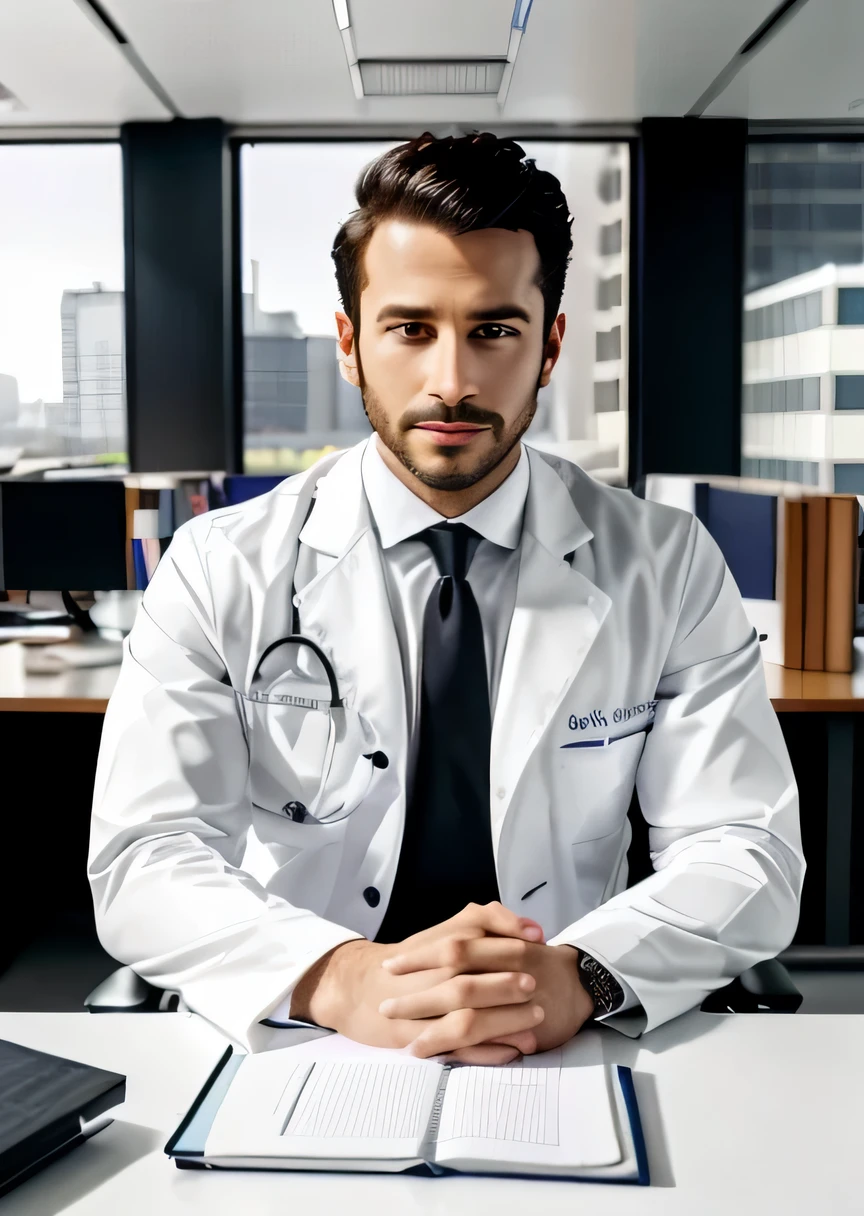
(133,502)
(841,582)
(815,565)
(790,579)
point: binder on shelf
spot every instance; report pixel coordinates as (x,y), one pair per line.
(841,582)
(815,549)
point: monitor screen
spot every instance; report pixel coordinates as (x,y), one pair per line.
(63,536)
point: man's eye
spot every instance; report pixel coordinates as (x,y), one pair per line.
(502,332)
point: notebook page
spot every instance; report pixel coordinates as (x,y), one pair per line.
(532,1112)
(286,1104)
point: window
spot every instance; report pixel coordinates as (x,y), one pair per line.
(849,392)
(804,283)
(609,292)
(62,341)
(610,238)
(780,396)
(605,396)
(850,306)
(608,344)
(803,472)
(296,403)
(849,478)
(792,316)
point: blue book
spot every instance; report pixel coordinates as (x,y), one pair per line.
(241,486)
(745,529)
(329,1104)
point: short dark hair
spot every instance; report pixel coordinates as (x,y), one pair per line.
(458,185)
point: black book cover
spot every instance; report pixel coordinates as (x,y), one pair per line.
(42,1099)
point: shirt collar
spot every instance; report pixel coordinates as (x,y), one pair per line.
(398,513)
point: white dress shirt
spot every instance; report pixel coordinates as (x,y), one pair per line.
(411,573)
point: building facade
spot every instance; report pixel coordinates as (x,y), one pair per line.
(94,370)
(803,396)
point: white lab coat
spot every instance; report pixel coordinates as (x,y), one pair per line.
(626,617)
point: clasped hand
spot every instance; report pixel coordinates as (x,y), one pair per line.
(482,988)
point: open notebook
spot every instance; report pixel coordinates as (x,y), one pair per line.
(331,1104)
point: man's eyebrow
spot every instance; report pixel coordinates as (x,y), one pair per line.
(409,312)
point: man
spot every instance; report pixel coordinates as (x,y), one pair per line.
(424,843)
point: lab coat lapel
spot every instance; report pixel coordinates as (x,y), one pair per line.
(346,609)
(556,618)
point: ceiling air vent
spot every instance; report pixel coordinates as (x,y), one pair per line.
(393,78)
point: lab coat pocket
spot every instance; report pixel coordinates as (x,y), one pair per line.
(594,785)
(311,768)
(596,864)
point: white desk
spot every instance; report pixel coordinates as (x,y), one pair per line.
(747,1114)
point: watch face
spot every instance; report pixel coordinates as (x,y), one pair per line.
(604,988)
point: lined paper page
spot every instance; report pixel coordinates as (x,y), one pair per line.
(518,1105)
(285,1103)
(539,1111)
(377,1101)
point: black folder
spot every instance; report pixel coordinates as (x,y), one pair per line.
(46,1105)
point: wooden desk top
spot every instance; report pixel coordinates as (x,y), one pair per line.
(86,690)
(79,690)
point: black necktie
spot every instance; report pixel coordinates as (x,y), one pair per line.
(446,860)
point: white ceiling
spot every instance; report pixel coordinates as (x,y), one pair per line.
(812,70)
(453,28)
(64,70)
(282,61)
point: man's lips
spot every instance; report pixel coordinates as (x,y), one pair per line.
(449,427)
(451,434)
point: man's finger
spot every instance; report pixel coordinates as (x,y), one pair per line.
(468,1027)
(475,920)
(525,1041)
(461,955)
(462,992)
(495,918)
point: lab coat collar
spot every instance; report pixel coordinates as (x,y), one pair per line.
(551,516)
(342,513)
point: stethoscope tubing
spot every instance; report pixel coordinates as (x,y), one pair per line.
(298,639)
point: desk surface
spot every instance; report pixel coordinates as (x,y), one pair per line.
(86,690)
(748,1114)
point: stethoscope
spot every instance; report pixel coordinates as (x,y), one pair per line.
(296,638)
(295,810)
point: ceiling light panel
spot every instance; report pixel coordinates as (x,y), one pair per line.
(444,30)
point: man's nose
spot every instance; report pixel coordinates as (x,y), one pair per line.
(451,378)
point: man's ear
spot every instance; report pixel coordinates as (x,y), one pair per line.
(552,349)
(345,351)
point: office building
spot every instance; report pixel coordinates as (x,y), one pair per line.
(803,397)
(805,208)
(611,338)
(94,368)
(293,392)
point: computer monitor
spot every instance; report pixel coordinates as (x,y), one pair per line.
(62,535)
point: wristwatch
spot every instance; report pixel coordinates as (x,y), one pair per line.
(605,990)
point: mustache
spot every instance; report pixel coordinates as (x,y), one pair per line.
(463,412)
